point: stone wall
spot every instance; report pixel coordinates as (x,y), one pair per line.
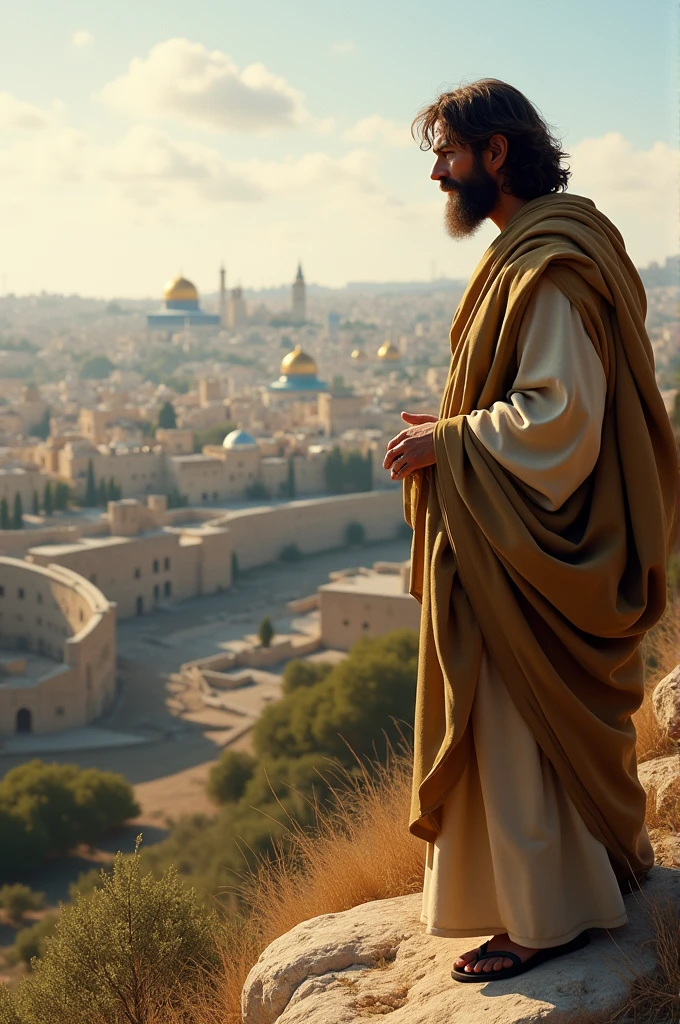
(62,618)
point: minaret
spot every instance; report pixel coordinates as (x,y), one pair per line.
(299,299)
(223,296)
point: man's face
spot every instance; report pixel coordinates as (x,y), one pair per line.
(473,192)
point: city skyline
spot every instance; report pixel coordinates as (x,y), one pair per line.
(135,146)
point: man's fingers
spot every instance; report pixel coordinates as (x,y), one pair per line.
(418,417)
(396,440)
(393,454)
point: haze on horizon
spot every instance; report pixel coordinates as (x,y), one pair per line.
(137,145)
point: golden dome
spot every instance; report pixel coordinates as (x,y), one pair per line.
(389,352)
(180,290)
(297,364)
(358,353)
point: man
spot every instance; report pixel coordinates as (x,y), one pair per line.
(542,500)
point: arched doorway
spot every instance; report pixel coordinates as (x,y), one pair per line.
(24,723)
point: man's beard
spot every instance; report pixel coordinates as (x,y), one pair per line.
(469,202)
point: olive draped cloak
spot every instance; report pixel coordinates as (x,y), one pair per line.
(561,599)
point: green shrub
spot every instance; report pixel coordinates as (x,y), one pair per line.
(48,809)
(299,672)
(355,533)
(30,942)
(290,553)
(213,435)
(257,491)
(356,702)
(128,954)
(227,779)
(96,368)
(17,899)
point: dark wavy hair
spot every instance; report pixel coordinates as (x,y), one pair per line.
(470,115)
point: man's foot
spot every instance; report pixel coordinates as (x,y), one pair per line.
(490,963)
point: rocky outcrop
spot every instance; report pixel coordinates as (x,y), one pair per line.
(666,847)
(376,959)
(660,779)
(666,703)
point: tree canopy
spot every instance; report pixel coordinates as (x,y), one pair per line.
(96,368)
(167,419)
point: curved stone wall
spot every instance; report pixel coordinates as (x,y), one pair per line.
(57,648)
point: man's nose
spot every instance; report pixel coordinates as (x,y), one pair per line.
(438,171)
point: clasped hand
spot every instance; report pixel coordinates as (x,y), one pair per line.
(412,448)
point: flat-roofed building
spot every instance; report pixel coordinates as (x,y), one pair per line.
(366,602)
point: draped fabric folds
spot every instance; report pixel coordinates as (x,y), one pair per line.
(562,598)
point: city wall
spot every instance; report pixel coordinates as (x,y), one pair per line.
(258,535)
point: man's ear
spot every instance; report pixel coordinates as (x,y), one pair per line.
(498,151)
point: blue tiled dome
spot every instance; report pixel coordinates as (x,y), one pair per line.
(239,439)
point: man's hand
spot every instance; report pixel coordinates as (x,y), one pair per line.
(412,448)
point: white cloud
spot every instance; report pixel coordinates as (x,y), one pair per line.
(183,80)
(344,47)
(148,166)
(637,188)
(82,38)
(147,159)
(380,131)
(15,114)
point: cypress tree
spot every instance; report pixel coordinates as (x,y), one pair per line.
(18,520)
(266,631)
(334,471)
(102,494)
(61,495)
(90,486)
(166,417)
(4,515)
(47,499)
(36,504)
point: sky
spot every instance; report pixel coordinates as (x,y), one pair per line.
(143,139)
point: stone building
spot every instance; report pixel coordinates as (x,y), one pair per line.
(57,648)
(366,602)
(144,562)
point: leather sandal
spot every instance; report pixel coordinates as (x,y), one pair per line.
(519,966)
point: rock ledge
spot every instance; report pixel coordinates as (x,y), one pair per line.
(376,959)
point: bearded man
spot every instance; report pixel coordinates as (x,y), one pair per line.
(543,505)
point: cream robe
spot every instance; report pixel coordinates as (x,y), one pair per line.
(513,854)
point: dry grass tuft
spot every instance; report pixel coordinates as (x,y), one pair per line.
(359,850)
(334,866)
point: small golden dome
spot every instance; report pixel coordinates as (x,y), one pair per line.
(297,364)
(180,290)
(389,352)
(359,354)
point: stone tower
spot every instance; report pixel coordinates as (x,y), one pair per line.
(223,296)
(299,298)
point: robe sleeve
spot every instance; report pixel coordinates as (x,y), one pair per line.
(547,433)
